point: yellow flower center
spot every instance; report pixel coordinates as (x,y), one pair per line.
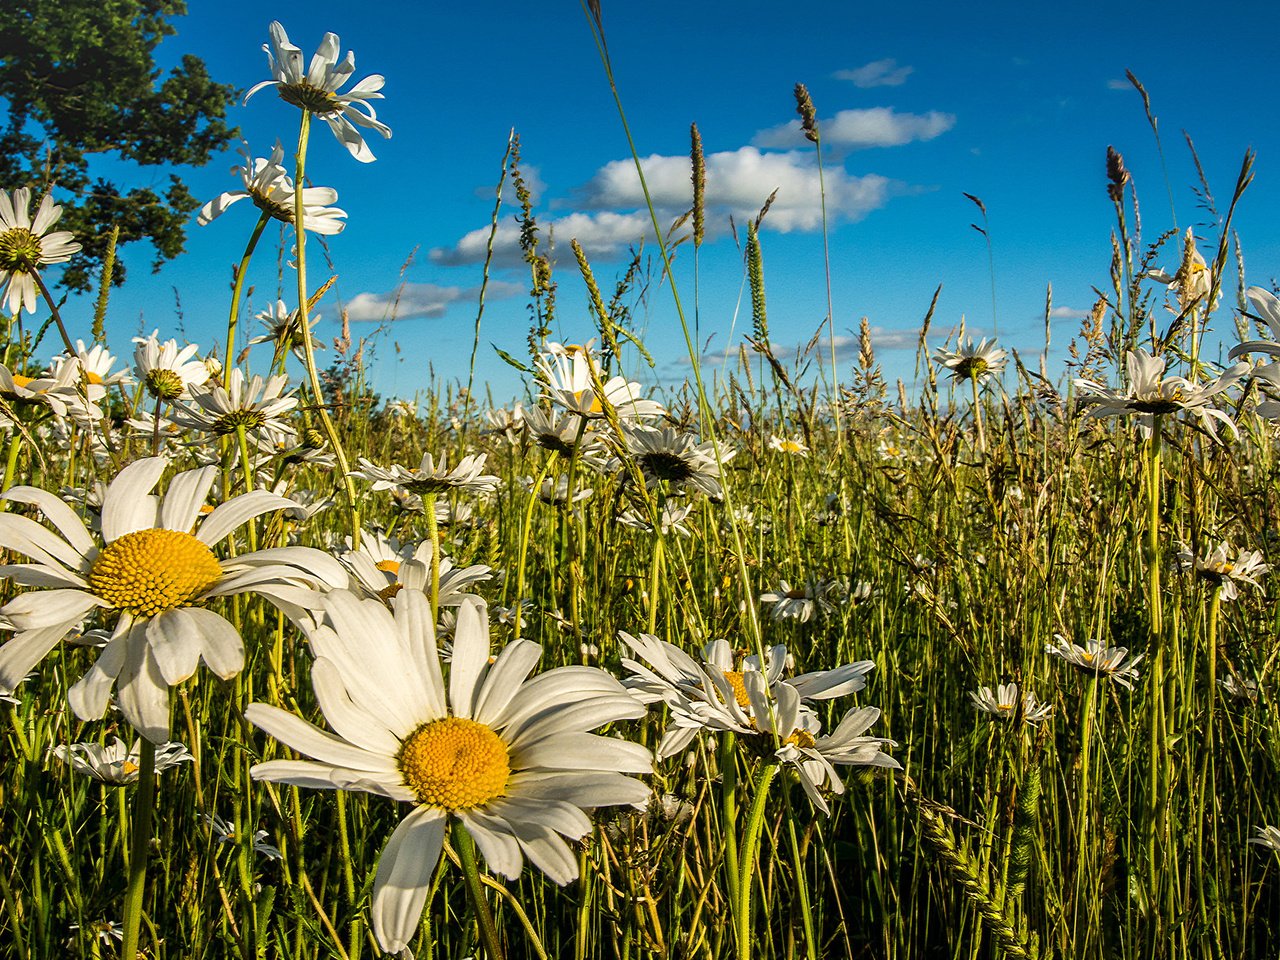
(455,764)
(150,571)
(802,739)
(388,566)
(1005,707)
(164,384)
(91,377)
(791,446)
(20,250)
(578,399)
(129,767)
(739,688)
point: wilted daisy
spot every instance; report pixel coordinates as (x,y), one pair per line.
(800,602)
(1097,658)
(430,477)
(1238,687)
(1219,568)
(1003,704)
(166,371)
(63,395)
(259,406)
(225,832)
(555,490)
(267,184)
(668,455)
(316,88)
(508,423)
(1150,393)
(26,245)
(510,759)
(566,380)
(793,446)
(149,576)
(117,763)
(970,361)
(561,433)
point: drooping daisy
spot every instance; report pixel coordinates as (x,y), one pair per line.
(225,832)
(259,406)
(1150,393)
(800,602)
(1097,658)
(555,490)
(508,423)
(118,764)
(316,88)
(566,380)
(62,395)
(430,478)
(792,446)
(1219,568)
(267,184)
(26,245)
(668,455)
(1004,704)
(511,759)
(1267,308)
(970,361)
(166,371)
(149,577)
(283,331)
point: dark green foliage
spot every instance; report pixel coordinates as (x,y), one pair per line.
(77,80)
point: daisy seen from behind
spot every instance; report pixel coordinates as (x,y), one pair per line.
(148,574)
(26,245)
(505,760)
(316,89)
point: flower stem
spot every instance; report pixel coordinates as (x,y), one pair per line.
(140,845)
(433,531)
(750,848)
(309,355)
(233,316)
(475,890)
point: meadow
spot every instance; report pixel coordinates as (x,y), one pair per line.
(783,662)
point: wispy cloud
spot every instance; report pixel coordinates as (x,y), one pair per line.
(1067,313)
(1119,84)
(414,300)
(860,129)
(877,73)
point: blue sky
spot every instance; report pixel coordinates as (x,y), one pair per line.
(919,103)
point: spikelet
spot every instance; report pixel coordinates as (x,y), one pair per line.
(808,114)
(755,276)
(699,186)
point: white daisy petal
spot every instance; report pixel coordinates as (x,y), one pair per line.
(404,875)
(504,678)
(351,721)
(19,655)
(312,741)
(175,642)
(584,751)
(90,696)
(64,519)
(235,513)
(493,837)
(222,647)
(470,658)
(184,497)
(141,691)
(128,505)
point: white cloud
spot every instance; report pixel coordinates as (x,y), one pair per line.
(878,73)
(422,300)
(738,183)
(1119,84)
(604,235)
(862,128)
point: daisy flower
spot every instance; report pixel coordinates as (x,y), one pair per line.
(259,406)
(118,764)
(555,491)
(561,433)
(1268,838)
(150,577)
(267,184)
(383,566)
(792,446)
(1192,281)
(1219,568)
(430,478)
(167,372)
(26,245)
(671,521)
(970,361)
(282,330)
(1003,704)
(566,380)
(1097,658)
(91,366)
(316,88)
(508,758)
(1150,393)
(225,832)
(62,395)
(508,423)
(801,602)
(670,455)
(1267,308)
